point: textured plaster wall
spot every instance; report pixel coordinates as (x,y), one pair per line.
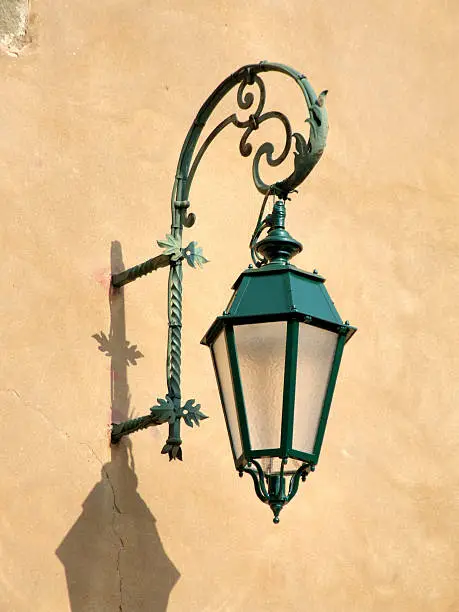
(93,113)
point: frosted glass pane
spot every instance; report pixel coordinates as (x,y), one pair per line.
(272,465)
(316,349)
(261,354)
(227,394)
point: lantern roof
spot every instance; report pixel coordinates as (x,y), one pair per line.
(277,288)
(280,291)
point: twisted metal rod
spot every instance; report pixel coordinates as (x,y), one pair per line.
(132,425)
(132,274)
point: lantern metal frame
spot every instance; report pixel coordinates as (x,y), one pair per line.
(308,152)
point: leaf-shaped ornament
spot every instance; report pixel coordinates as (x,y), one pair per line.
(164,411)
(193,255)
(171,247)
(191,413)
(173,450)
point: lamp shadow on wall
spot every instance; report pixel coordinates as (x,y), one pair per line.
(113,555)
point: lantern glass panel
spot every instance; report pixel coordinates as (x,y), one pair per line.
(261,356)
(272,465)
(221,361)
(316,350)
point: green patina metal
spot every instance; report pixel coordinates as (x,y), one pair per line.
(272,290)
(279,292)
(288,403)
(132,274)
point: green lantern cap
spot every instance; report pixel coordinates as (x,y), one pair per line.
(280,291)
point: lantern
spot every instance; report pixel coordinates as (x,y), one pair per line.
(276,351)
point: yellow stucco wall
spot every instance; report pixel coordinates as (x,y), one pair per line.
(93,113)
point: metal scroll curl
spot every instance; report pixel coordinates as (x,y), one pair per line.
(308,150)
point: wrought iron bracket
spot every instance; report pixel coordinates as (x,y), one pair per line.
(308,151)
(165,412)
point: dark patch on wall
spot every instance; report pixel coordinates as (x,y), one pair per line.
(14,18)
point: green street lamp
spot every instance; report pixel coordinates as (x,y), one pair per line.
(276,352)
(277,347)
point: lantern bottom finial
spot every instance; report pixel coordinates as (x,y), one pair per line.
(274,494)
(276,508)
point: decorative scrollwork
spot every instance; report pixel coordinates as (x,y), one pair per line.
(245,100)
(307,151)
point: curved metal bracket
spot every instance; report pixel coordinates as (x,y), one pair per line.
(307,154)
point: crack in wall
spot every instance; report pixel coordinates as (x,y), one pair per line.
(35,408)
(116,512)
(118,571)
